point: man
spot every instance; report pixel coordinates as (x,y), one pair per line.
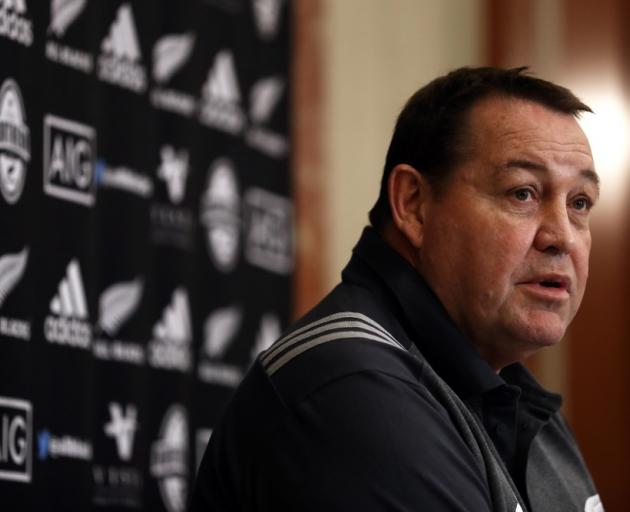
(402,390)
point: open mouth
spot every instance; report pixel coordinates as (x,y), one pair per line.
(551,284)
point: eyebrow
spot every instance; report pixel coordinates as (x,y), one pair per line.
(589,174)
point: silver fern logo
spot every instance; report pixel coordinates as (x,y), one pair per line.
(220,332)
(170,53)
(12,267)
(220,329)
(63,13)
(118,303)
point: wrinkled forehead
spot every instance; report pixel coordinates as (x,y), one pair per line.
(499,125)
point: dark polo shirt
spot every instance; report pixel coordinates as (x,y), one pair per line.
(342,413)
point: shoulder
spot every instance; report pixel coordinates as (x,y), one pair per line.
(348,333)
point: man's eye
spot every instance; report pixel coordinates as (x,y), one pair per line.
(582,203)
(523,194)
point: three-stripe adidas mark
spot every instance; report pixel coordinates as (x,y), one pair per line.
(68,323)
(70,298)
(338,326)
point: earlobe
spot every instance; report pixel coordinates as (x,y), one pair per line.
(408,192)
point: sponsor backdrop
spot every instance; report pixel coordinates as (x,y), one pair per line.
(145,238)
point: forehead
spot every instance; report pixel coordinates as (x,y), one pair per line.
(502,128)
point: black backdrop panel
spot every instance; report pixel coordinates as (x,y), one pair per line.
(146,247)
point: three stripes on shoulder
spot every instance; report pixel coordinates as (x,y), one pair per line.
(338,326)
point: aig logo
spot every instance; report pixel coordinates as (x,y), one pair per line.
(16,439)
(69,160)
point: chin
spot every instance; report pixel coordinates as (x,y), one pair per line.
(542,331)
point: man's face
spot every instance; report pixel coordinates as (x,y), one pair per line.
(505,246)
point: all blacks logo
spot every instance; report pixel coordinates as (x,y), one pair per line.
(220,215)
(15,144)
(169,459)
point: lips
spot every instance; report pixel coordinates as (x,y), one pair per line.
(549,285)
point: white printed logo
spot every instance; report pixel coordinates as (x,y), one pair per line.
(202,437)
(122,427)
(169,459)
(174,171)
(63,13)
(13,23)
(49,445)
(268,231)
(221,107)
(594,504)
(173,223)
(170,53)
(68,325)
(16,439)
(220,330)
(172,336)
(268,332)
(263,99)
(12,267)
(120,57)
(267,17)
(118,303)
(220,215)
(123,178)
(69,160)
(15,144)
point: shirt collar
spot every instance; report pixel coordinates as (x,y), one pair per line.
(427,323)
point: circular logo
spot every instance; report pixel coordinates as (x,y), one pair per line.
(220,215)
(15,143)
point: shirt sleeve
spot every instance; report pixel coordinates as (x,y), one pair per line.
(371,442)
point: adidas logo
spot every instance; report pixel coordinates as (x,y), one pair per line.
(172,335)
(12,267)
(174,171)
(68,323)
(170,53)
(263,99)
(15,142)
(220,330)
(117,304)
(63,13)
(119,60)
(267,17)
(221,96)
(13,22)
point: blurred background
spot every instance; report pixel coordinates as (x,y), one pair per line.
(208,166)
(357,61)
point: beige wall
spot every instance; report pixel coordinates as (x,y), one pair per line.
(376,53)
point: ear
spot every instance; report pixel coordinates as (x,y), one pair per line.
(408,192)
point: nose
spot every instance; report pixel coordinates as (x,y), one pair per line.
(556,233)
